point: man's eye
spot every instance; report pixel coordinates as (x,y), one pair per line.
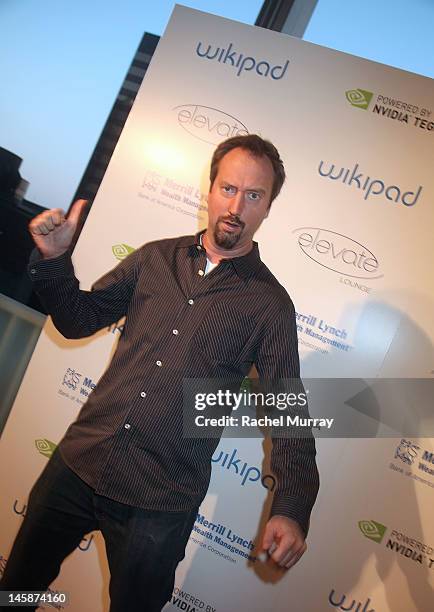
(253,195)
(228,189)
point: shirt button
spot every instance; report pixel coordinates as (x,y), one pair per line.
(33,271)
(143,394)
(175,332)
(191,302)
(127,426)
(201,273)
(159,364)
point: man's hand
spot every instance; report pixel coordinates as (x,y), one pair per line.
(284,541)
(52,232)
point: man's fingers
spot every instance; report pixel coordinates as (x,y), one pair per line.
(285,547)
(34,229)
(41,228)
(47,221)
(288,552)
(76,210)
(293,555)
(295,558)
(57,216)
(288,557)
(268,540)
(283,541)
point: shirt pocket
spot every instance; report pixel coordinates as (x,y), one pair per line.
(224,333)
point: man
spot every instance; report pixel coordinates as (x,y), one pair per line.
(201,306)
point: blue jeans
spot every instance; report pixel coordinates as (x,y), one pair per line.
(143,546)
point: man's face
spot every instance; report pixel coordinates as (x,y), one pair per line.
(239,199)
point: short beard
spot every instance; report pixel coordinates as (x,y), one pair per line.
(226,240)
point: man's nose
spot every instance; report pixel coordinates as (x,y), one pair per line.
(236,205)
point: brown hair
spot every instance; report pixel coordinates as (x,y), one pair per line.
(258,147)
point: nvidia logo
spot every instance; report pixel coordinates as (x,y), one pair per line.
(120,251)
(246,385)
(359,97)
(45,447)
(372,530)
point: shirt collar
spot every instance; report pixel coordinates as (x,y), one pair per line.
(245,265)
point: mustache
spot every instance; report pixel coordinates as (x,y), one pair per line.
(235,219)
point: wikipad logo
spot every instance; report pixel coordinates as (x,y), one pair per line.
(372,530)
(120,251)
(370,187)
(45,447)
(360,98)
(344,599)
(242,63)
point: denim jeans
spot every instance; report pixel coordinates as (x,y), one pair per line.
(143,546)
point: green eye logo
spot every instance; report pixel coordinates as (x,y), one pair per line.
(246,385)
(120,251)
(45,447)
(372,530)
(359,97)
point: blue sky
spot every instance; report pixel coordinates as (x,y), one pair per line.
(61,66)
(394,32)
(62,63)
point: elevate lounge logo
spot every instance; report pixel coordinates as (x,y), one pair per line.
(242,63)
(351,177)
(360,98)
(399,543)
(338,602)
(120,251)
(338,253)
(45,447)
(209,124)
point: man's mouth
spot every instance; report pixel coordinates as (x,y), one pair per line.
(230,226)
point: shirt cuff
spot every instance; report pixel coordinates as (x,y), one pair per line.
(292,508)
(42,269)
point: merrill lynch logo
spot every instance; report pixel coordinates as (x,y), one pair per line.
(71,379)
(338,253)
(240,62)
(209,124)
(407,451)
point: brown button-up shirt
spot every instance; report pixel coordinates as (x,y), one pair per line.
(127,441)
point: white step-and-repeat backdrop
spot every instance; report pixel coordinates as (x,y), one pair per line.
(351,239)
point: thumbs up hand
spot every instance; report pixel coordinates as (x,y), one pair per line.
(52,232)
